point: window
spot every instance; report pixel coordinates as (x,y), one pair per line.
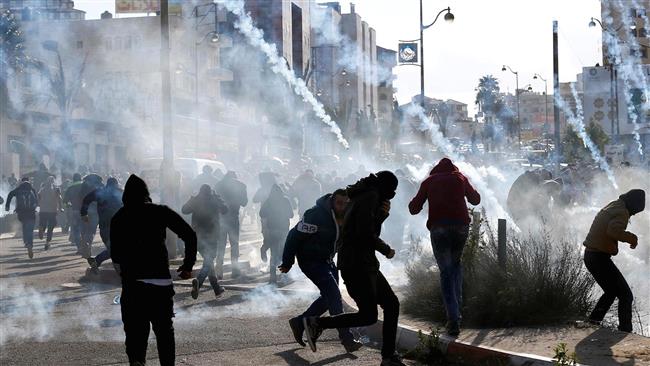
(108,43)
(127,43)
(118,43)
(80,44)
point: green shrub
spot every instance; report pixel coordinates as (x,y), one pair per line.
(544,282)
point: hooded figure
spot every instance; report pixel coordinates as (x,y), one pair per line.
(108,200)
(49,198)
(446,190)
(233,192)
(73,199)
(89,225)
(275,212)
(306,189)
(26,203)
(138,250)
(367,210)
(609,228)
(205,208)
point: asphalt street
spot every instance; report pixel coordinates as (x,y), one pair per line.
(53,312)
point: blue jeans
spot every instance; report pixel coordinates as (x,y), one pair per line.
(326,277)
(28,231)
(448,243)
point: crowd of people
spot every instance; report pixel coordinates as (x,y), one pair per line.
(338,218)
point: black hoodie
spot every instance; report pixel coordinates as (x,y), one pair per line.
(362,225)
(138,233)
(634,200)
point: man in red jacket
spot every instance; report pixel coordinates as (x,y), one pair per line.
(446,189)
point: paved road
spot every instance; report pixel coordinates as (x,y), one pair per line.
(53,313)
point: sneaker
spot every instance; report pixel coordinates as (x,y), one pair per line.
(94,267)
(30,253)
(313,331)
(47,245)
(394,360)
(297,328)
(453,329)
(351,345)
(195,289)
(219,291)
(40,234)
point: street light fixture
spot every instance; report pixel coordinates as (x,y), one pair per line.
(505,68)
(530,88)
(613,88)
(535,77)
(449,18)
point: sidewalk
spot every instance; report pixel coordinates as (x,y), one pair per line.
(525,346)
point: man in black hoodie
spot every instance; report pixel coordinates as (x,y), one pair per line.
(205,208)
(233,192)
(26,203)
(369,206)
(138,250)
(109,200)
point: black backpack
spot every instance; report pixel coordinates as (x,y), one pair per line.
(26,200)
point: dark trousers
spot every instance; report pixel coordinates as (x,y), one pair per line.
(368,289)
(610,279)
(28,231)
(144,306)
(326,277)
(448,243)
(207,247)
(46,221)
(229,231)
(104,233)
(275,240)
(76,226)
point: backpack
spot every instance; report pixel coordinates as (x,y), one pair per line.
(26,200)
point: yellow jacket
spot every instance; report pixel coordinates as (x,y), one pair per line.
(608,229)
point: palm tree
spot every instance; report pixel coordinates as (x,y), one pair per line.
(12,57)
(487,94)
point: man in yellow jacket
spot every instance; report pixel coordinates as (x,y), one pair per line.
(609,227)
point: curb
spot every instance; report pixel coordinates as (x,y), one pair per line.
(457,350)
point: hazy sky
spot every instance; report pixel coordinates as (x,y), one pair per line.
(485,35)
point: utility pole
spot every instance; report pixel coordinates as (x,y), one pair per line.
(421,59)
(556,95)
(167,172)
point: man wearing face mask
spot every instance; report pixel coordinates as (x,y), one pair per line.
(368,208)
(608,228)
(313,242)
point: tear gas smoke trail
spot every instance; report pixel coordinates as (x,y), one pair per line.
(278,65)
(492,206)
(578,125)
(630,70)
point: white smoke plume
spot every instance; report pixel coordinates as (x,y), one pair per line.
(255,37)
(494,209)
(578,125)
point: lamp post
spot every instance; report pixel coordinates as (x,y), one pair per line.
(613,89)
(535,77)
(449,17)
(505,68)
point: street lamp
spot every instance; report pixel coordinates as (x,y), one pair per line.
(449,17)
(613,77)
(505,68)
(538,76)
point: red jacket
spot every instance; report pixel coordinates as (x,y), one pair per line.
(445,189)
